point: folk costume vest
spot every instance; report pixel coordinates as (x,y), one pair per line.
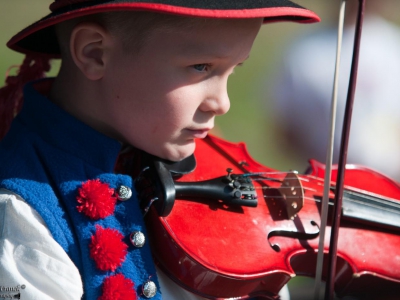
(64,170)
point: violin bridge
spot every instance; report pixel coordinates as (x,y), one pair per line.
(293,194)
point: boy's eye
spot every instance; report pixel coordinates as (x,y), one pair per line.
(200,67)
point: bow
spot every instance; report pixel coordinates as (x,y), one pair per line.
(332,258)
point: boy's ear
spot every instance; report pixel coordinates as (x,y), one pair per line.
(88,47)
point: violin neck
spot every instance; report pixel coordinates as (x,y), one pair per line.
(371,210)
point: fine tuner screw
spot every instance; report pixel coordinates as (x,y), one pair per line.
(229,170)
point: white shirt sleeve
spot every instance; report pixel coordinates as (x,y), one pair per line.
(33,264)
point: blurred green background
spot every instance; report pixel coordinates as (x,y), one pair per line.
(250,119)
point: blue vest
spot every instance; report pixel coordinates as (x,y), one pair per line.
(45,158)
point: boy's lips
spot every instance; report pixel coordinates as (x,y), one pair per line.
(198,133)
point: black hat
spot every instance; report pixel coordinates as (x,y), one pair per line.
(39,38)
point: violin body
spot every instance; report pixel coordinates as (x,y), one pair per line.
(218,250)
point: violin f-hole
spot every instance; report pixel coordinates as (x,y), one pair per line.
(293,235)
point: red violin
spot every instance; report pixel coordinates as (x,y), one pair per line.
(246,233)
(249,231)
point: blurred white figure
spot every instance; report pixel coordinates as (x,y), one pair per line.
(304,90)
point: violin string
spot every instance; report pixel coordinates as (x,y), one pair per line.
(345,198)
(396,212)
(294,197)
(286,187)
(319,181)
(394,205)
(388,202)
(391,202)
(262,174)
(267,173)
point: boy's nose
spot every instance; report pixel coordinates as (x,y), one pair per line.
(217,102)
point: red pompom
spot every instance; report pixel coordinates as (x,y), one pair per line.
(97,199)
(107,248)
(117,287)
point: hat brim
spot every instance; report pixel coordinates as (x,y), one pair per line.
(39,38)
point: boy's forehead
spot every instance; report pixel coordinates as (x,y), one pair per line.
(216,38)
(209,40)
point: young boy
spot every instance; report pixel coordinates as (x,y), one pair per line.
(149,75)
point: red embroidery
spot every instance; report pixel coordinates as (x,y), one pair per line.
(107,248)
(117,287)
(96,199)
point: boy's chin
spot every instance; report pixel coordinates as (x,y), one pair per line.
(180,153)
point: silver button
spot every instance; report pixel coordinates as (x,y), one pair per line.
(124,193)
(149,289)
(137,239)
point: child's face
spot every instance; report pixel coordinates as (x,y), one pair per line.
(167,95)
